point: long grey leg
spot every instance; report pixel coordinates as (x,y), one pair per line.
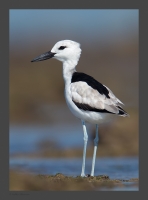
(96,140)
(84,150)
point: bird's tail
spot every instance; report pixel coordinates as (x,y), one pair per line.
(122,112)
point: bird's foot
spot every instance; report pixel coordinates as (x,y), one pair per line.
(87,175)
(83,175)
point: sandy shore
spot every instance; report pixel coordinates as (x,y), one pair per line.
(60,182)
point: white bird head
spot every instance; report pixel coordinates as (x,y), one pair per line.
(65,50)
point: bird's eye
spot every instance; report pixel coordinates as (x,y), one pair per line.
(62,47)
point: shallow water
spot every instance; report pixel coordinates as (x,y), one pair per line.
(26,139)
(122,168)
(116,168)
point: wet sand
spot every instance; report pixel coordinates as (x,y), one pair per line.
(60,182)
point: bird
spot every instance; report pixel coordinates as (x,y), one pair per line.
(88,99)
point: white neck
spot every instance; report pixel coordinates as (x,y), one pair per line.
(69,67)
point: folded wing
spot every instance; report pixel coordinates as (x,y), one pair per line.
(87,98)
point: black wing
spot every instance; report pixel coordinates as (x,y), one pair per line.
(79,76)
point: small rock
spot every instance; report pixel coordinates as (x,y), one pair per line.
(59,175)
(102,177)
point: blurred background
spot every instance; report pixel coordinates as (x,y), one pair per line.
(43,131)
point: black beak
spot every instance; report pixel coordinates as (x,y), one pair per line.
(44,56)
